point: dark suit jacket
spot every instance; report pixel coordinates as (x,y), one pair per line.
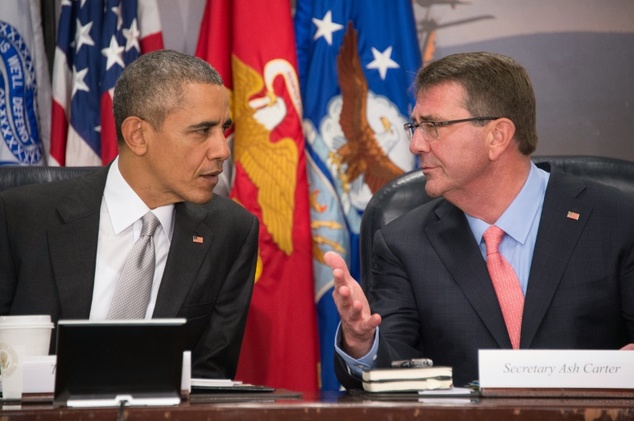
(48,244)
(434,293)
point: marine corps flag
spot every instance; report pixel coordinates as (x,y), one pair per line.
(252,45)
(357,61)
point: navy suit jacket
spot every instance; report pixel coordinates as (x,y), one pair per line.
(432,288)
(48,247)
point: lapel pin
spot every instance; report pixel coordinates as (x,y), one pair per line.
(573,215)
(198,240)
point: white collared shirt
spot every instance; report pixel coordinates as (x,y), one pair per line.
(119,228)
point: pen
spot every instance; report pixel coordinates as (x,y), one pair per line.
(413,363)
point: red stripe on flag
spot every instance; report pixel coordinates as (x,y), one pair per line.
(59,132)
(152,42)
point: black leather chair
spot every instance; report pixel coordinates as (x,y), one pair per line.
(14,176)
(408,191)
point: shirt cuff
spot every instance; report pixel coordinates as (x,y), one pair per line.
(355,366)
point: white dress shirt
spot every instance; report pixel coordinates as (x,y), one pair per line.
(119,228)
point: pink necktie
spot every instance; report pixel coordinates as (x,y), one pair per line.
(507,286)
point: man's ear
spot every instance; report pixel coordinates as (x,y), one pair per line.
(133,130)
(501,137)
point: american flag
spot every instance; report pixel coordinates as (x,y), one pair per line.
(96,40)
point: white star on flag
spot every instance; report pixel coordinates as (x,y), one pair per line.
(78,81)
(132,37)
(117,11)
(382,61)
(82,35)
(325,27)
(113,53)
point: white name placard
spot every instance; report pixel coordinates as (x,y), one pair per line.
(556,369)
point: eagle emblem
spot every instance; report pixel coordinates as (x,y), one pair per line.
(364,153)
(270,163)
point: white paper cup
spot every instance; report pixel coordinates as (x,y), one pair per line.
(20,337)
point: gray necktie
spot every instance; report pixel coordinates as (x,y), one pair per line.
(132,295)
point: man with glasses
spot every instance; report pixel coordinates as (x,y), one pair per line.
(560,274)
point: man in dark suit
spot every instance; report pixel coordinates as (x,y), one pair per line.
(63,244)
(570,243)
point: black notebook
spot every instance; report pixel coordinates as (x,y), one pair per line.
(407,379)
(115,362)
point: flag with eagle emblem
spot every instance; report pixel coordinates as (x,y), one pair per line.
(252,45)
(357,62)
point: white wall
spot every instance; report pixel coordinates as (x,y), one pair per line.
(181,23)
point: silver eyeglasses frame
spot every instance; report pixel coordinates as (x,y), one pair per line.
(429,129)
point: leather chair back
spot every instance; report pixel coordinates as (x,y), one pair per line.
(408,191)
(14,176)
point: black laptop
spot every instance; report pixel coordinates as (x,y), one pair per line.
(119,362)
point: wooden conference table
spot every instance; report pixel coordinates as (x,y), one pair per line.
(333,406)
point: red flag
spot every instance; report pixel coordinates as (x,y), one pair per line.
(96,40)
(255,54)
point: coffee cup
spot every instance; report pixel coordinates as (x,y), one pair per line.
(21,337)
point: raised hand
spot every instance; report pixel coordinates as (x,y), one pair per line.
(358,324)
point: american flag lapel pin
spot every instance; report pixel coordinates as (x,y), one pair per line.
(198,240)
(573,215)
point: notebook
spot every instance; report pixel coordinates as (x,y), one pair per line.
(119,362)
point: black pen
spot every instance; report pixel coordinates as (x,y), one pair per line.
(413,363)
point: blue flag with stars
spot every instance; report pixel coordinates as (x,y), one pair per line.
(357,63)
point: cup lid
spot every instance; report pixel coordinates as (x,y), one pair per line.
(26,326)
(25,320)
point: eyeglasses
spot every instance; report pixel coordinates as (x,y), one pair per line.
(429,129)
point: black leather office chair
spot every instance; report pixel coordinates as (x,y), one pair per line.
(14,176)
(408,191)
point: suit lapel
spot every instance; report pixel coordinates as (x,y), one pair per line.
(451,238)
(73,245)
(184,259)
(558,233)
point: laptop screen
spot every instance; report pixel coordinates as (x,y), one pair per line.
(101,363)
